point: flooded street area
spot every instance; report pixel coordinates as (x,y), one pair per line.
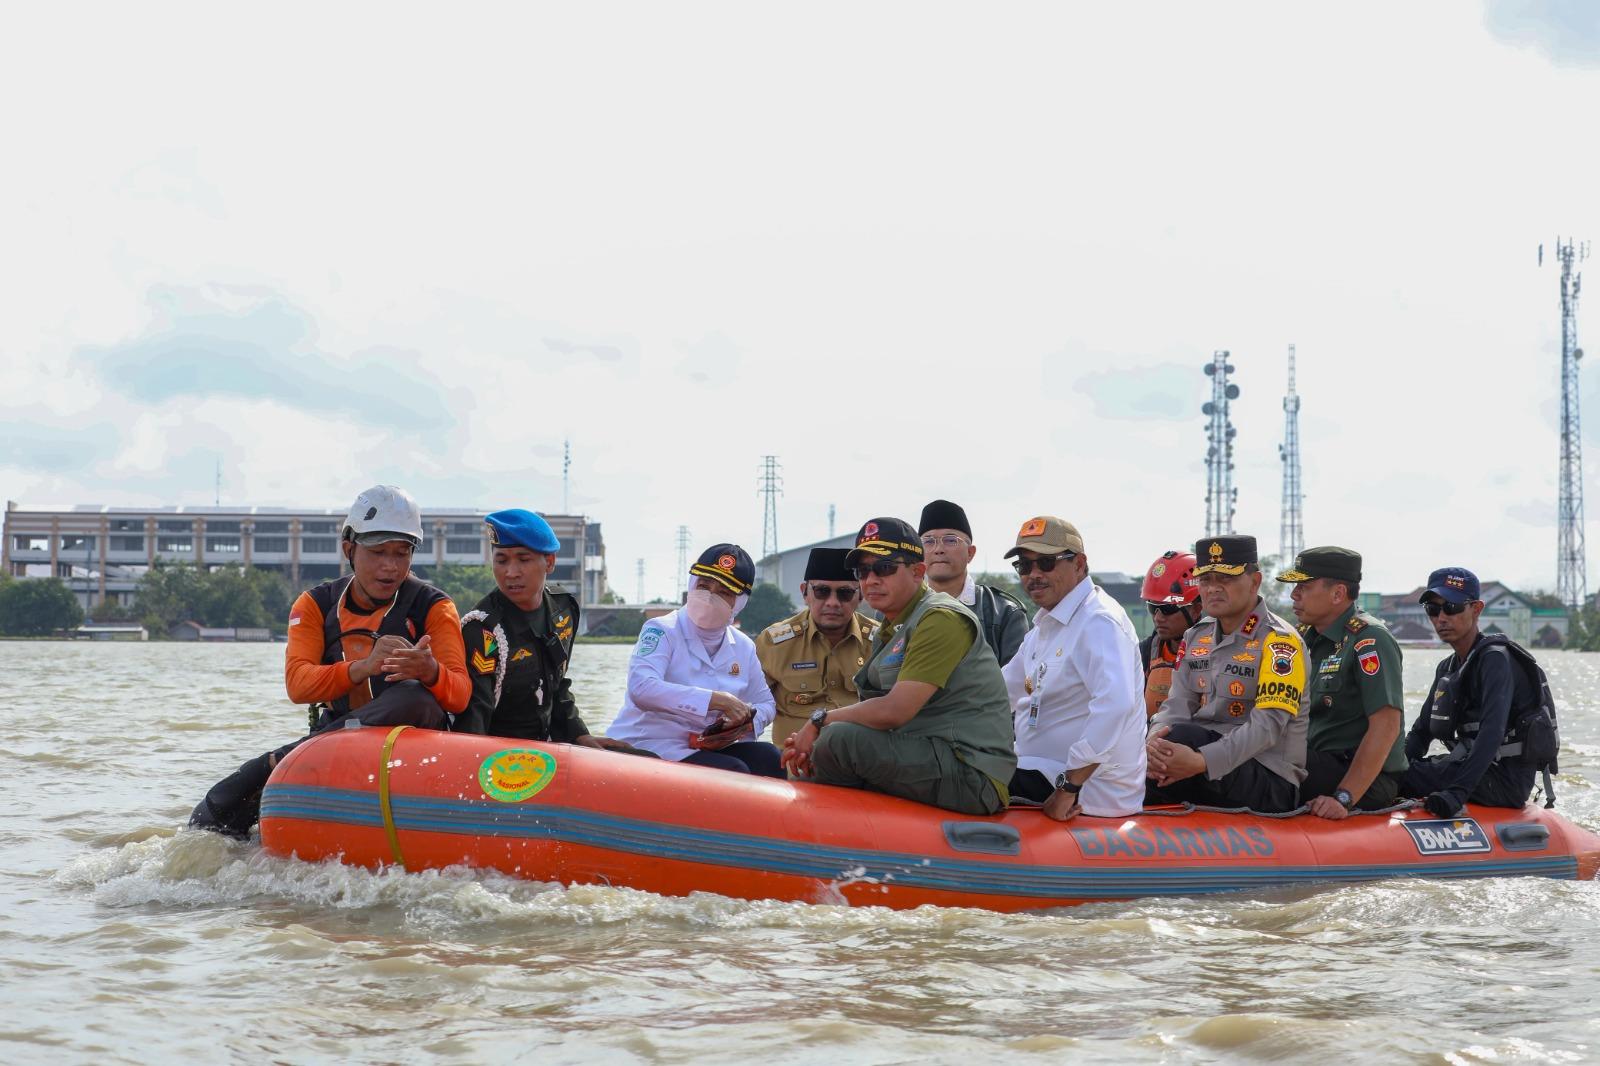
(128,940)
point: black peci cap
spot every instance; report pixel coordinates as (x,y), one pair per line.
(828,564)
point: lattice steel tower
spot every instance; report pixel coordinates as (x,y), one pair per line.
(1572,583)
(683,561)
(1220,493)
(771,489)
(639,588)
(1291,530)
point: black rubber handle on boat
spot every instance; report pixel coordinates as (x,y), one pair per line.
(991,838)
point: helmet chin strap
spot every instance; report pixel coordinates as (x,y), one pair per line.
(1187,617)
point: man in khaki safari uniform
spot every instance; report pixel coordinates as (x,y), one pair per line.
(810,658)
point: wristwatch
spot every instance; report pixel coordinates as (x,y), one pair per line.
(819,718)
(1063,785)
(1344,798)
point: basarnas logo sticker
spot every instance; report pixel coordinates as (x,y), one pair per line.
(516,774)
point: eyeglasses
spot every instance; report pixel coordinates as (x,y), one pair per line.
(881,568)
(1436,609)
(1165,609)
(1045,563)
(949,540)
(846,593)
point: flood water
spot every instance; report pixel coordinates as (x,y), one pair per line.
(124,939)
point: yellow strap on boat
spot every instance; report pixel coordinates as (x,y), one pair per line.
(383,794)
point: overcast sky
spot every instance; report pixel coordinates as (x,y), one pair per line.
(977,252)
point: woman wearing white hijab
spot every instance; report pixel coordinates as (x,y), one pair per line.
(696,692)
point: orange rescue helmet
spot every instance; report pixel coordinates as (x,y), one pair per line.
(1171,579)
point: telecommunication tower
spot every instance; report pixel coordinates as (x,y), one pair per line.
(1291,531)
(566,476)
(683,561)
(831,516)
(639,588)
(1572,583)
(771,489)
(1220,493)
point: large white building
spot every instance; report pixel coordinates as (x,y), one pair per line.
(102,551)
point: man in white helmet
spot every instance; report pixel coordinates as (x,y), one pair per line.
(378,646)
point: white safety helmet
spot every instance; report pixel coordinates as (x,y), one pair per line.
(383,513)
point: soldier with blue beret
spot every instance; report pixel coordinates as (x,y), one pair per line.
(519,641)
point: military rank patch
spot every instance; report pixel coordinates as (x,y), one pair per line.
(482,663)
(1369,663)
(1250,625)
(1355,625)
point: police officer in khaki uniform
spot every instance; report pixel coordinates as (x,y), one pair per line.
(1355,754)
(1233,731)
(810,659)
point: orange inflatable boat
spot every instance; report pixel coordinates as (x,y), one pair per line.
(551,812)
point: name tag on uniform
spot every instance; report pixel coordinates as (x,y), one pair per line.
(803,666)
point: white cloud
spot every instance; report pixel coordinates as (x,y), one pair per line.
(892,244)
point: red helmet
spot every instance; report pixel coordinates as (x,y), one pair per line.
(1171,579)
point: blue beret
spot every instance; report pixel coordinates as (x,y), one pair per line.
(517,528)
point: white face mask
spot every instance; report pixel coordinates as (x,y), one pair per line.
(708,610)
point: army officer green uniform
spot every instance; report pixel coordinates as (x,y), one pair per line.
(951,747)
(1354,675)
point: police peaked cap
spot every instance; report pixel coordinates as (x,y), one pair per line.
(728,565)
(1227,554)
(517,528)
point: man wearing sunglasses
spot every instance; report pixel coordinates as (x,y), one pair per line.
(1233,731)
(1172,596)
(1478,698)
(948,550)
(1354,754)
(1075,684)
(811,657)
(933,724)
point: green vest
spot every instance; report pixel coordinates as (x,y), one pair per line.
(971,713)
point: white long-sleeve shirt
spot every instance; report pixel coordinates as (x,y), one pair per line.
(671,677)
(1076,690)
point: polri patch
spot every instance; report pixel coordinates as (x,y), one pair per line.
(1448,836)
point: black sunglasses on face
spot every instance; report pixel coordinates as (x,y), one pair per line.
(882,568)
(1045,563)
(846,593)
(1435,609)
(1164,609)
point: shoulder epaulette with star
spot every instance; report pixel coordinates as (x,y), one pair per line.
(1355,625)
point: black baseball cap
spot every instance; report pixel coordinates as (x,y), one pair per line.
(885,537)
(1453,584)
(727,564)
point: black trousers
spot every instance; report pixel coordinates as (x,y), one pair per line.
(1325,769)
(1503,784)
(233,805)
(1250,785)
(1032,785)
